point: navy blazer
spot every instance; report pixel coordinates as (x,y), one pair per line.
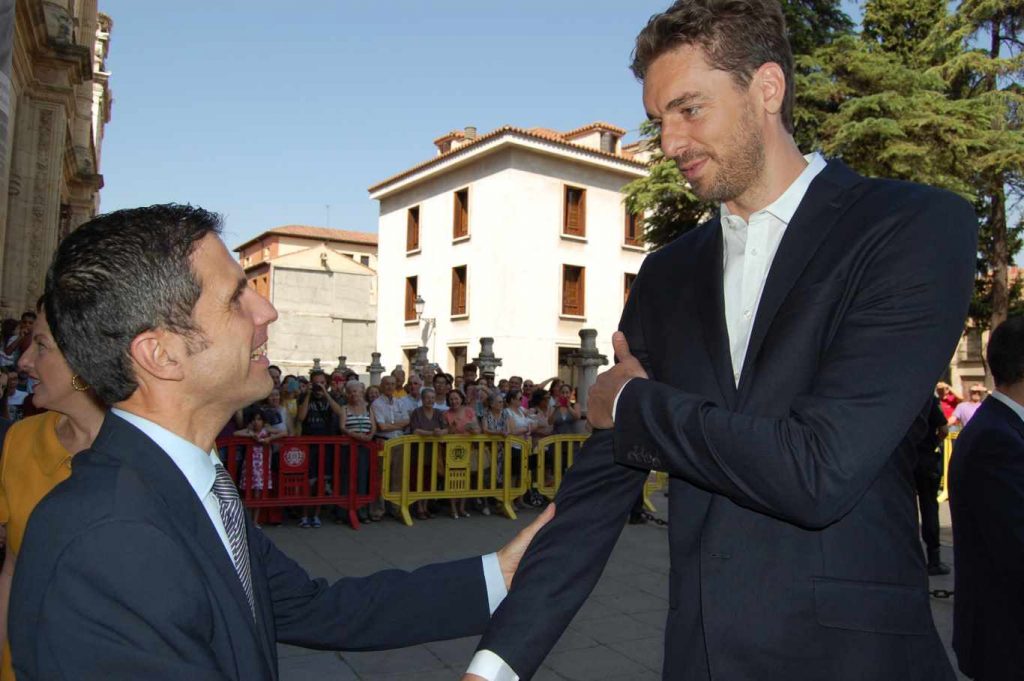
(123,576)
(793,524)
(986,498)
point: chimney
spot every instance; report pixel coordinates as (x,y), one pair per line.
(608,141)
(470,133)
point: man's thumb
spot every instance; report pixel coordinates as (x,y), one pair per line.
(621,346)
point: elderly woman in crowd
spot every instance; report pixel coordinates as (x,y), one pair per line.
(357,422)
(461,420)
(518,424)
(495,422)
(424,420)
(37,451)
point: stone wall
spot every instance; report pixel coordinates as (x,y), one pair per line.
(59,102)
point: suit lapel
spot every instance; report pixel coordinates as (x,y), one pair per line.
(123,441)
(824,203)
(710,302)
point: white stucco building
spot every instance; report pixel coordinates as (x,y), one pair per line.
(518,234)
(323,283)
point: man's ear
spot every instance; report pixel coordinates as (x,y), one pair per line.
(770,83)
(158,353)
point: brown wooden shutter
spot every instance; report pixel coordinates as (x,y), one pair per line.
(572,290)
(460,223)
(628,285)
(574,218)
(633,222)
(412,229)
(410,299)
(459,290)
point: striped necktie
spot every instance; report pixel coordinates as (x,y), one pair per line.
(231,513)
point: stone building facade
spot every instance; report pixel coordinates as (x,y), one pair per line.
(519,235)
(323,283)
(57,103)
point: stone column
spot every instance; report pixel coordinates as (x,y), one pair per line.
(34,206)
(420,361)
(486,362)
(588,359)
(342,365)
(375,368)
(316,365)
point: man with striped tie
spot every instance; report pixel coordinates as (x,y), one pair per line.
(142,565)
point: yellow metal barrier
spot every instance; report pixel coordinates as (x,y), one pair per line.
(947,451)
(656,482)
(555,453)
(418,468)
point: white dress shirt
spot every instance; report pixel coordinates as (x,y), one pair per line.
(1013,404)
(747,254)
(199,468)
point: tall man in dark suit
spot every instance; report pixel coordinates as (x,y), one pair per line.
(986,497)
(143,565)
(772,361)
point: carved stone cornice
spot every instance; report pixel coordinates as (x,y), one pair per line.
(46,31)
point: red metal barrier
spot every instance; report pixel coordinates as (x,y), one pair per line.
(303,471)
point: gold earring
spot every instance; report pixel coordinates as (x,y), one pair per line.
(78,384)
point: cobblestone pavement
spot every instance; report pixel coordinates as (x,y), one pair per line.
(617,636)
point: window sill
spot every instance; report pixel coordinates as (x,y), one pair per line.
(633,247)
(572,317)
(460,239)
(459,317)
(414,251)
(573,237)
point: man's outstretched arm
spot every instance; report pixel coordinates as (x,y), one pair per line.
(565,559)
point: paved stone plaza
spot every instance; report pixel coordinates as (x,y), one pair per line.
(616,636)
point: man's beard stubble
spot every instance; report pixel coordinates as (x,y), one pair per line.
(739,165)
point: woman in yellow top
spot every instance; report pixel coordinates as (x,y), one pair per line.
(37,450)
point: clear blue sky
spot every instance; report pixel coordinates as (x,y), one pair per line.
(267,111)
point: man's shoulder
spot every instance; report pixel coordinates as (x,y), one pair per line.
(100,489)
(991,431)
(912,199)
(683,245)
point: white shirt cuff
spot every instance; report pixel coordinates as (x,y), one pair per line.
(491,667)
(495,581)
(615,402)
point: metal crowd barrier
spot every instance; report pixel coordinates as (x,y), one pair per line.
(418,468)
(555,454)
(947,451)
(656,482)
(304,471)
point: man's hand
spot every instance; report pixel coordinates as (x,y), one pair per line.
(602,394)
(510,554)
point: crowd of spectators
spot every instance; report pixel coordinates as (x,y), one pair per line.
(434,403)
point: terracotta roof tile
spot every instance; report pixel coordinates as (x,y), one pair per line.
(545,134)
(322,233)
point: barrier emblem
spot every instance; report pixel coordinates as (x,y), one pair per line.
(294,457)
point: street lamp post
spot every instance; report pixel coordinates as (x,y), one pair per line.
(429,324)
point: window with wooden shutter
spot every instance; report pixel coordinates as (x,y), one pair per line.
(460,224)
(633,226)
(410,299)
(574,218)
(412,230)
(572,290)
(628,284)
(458,291)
